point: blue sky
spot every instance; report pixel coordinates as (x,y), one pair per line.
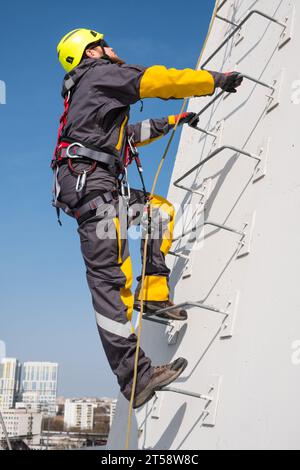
(45,307)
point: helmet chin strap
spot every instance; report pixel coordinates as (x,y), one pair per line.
(112,61)
(105,56)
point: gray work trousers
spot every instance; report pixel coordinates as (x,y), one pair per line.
(104,246)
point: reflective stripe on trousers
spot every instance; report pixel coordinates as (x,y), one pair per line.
(114,327)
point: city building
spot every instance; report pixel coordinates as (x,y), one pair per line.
(23,424)
(113,406)
(10,379)
(40,387)
(103,415)
(79,413)
(60,406)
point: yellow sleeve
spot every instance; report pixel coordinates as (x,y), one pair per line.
(149,141)
(160,82)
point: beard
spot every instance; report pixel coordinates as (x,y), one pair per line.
(113,60)
(117,60)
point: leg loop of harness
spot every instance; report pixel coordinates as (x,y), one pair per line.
(81,174)
(88,209)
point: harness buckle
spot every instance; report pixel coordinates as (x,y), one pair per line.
(82,175)
(70,155)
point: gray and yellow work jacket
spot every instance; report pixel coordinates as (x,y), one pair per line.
(101,94)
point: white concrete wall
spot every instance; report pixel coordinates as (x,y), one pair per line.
(260,365)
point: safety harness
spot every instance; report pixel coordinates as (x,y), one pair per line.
(66,152)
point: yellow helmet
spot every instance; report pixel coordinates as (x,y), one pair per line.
(72,46)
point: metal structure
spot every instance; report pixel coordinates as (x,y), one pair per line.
(5,432)
(239,283)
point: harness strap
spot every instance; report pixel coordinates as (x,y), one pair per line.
(101,157)
(63,121)
(69,88)
(76,151)
(82,213)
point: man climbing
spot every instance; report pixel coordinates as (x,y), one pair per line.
(90,185)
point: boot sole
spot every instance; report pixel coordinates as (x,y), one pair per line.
(165,316)
(170,317)
(160,387)
(145,400)
(168,382)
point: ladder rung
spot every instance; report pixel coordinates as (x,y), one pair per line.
(157,320)
(247,77)
(226,20)
(197,128)
(177,255)
(259,82)
(187,392)
(210,156)
(206,107)
(213,224)
(192,304)
(238,27)
(224,227)
(222,4)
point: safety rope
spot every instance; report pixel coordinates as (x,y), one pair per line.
(129,422)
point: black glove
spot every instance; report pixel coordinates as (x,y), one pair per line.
(187,118)
(228,82)
(194,120)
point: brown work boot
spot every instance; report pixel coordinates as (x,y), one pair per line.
(153,307)
(160,378)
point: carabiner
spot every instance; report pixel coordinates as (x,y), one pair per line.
(132,147)
(81,180)
(125,187)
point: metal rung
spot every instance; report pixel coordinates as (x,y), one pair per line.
(239,26)
(208,105)
(187,392)
(224,227)
(211,397)
(213,224)
(193,191)
(197,128)
(247,77)
(259,82)
(193,304)
(156,320)
(226,20)
(212,155)
(222,4)
(172,253)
